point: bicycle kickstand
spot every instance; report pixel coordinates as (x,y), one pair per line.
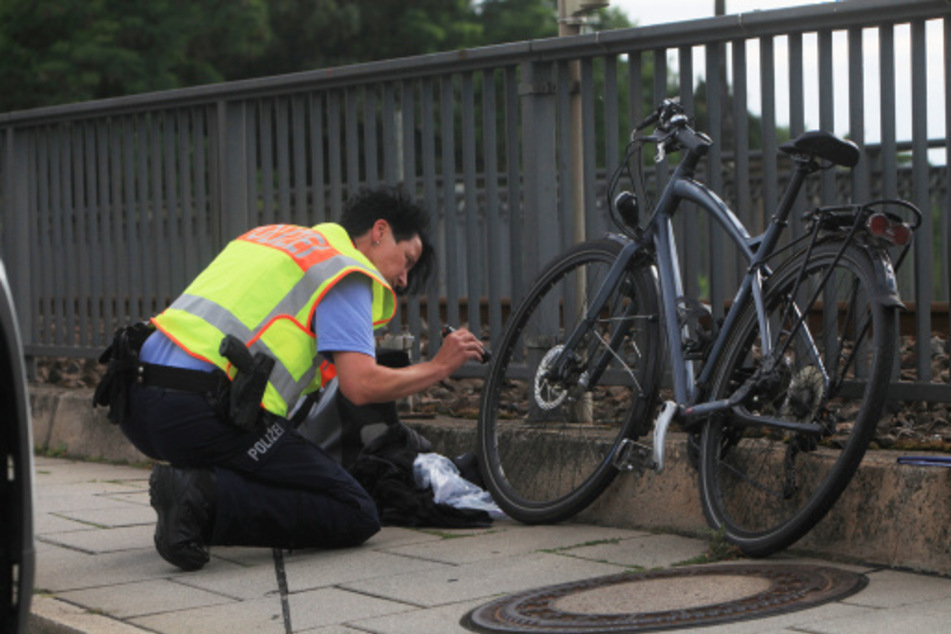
(633,455)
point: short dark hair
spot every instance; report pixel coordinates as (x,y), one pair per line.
(405,216)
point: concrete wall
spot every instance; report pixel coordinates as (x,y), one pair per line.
(892,515)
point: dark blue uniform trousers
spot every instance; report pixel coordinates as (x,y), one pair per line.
(274,488)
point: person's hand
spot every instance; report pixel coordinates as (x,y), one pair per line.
(459,346)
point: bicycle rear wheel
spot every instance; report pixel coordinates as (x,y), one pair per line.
(766,487)
(547,445)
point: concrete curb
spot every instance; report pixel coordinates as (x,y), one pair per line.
(891,515)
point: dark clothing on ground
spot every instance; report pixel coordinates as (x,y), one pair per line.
(385,469)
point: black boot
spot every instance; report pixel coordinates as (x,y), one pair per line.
(184,500)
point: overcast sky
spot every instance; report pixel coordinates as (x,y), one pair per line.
(645,12)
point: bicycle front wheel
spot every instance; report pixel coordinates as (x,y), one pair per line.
(766,487)
(547,444)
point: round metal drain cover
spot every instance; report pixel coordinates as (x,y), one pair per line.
(674,598)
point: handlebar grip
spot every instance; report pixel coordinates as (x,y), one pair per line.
(692,140)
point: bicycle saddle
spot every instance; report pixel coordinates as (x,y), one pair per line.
(825,146)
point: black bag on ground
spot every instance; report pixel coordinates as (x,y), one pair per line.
(385,470)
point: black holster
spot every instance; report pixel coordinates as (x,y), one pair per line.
(248,385)
(122,360)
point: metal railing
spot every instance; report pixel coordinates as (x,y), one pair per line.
(109,208)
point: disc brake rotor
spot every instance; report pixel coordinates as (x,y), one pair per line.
(549,393)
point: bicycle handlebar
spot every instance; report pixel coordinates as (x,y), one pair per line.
(671,121)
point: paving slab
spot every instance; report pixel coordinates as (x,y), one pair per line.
(97,572)
(508,538)
(644,552)
(893,588)
(154,596)
(444,619)
(482,579)
(120,516)
(309,610)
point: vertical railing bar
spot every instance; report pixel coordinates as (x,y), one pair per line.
(317,145)
(391,130)
(120,219)
(188,227)
(202,137)
(689,221)
(406,172)
(173,235)
(768,120)
(635,88)
(282,145)
(69,237)
(253,124)
(352,132)
(888,147)
(24,231)
(266,154)
(94,239)
(922,198)
(565,153)
(82,234)
(828,178)
(946,252)
(431,198)
(45,187)
(371,151)
(797,112)
(611,116)
(145,235)
(742,183)
(160,214)
(590,225)
(137,283)
(720,256)
(450,211)
(335,158)
(857,66)
(513,183)
(826,106)
(299,164)
(493,228)
(473,239)
(381,119)
(859,173)
(659,93)
(108,249)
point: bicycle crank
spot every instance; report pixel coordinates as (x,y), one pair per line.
(632,455)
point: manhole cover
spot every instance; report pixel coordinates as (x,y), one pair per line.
(667,599)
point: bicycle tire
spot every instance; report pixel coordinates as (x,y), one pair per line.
(764,488)
(544,455)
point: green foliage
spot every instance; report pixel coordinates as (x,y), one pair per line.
(63,51)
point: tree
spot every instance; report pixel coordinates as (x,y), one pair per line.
(62,51)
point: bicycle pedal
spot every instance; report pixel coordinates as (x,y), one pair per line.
(632,455)
(660,434)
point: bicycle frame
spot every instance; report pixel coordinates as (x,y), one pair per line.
(659,236)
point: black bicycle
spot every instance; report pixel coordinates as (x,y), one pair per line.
(780,397)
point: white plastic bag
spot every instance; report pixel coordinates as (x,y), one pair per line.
(448,485)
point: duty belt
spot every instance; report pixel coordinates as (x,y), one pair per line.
(182,379)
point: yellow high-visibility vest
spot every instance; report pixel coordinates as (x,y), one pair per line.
(263,288)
